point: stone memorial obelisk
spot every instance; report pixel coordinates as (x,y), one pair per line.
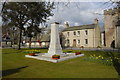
(55,47)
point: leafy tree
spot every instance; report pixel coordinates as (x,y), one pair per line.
(31,32)
(30,14)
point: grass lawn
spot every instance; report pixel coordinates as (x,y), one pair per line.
(16,65)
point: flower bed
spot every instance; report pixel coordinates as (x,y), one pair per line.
(32,54)
(100,59)
(77,53)
(56,57)
(31,51)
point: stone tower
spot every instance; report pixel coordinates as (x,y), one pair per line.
(110,18)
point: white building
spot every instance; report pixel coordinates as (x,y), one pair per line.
(82,36)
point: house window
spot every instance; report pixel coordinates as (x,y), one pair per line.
(86,41)
(74,33)
(78,32)
(68,41)
(68,33)
(86,32)
(78,41)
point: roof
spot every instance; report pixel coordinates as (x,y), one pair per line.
(45,38)
(89,26)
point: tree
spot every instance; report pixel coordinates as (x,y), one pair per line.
(21,14)
(31,32)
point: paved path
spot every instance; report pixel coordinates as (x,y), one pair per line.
(96,49)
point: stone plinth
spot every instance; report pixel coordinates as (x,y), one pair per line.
(55,47)
(41,57)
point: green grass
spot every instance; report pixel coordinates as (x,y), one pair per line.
(14,60)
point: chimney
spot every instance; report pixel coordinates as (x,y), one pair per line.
(96,21)
(66,25)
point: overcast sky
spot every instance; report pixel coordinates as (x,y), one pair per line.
(78,13)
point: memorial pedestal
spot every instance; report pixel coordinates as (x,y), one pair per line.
(55,47)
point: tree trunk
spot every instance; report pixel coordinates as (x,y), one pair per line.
(19,45)
(30,43)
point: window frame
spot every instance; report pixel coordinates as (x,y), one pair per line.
(74,33)
(68,41)
(68,33)
(78,33)
(86,32)
(86,41)
(78,41)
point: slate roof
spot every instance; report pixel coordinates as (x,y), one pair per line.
(45,38)
(89,26)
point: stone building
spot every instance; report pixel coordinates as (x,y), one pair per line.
(41,40)
(45,40)
(111,18)
(117,42)
(82,36)
(6,40)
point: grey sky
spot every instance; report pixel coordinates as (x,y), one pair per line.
(77,13)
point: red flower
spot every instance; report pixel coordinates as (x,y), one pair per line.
(32,54)
(38,40)
(77,53)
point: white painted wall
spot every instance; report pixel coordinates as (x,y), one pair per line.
(93,37)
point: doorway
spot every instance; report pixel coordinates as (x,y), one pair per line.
(74,43)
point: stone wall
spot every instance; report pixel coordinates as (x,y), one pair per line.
(110,18)
(118,37)
(97,38)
